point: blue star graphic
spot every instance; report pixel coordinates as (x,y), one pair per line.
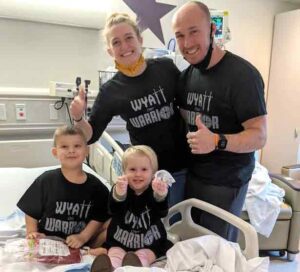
(149,14)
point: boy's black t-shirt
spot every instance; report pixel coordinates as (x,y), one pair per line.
(63,208)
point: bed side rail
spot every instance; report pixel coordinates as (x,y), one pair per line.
(105,158)
(186,228)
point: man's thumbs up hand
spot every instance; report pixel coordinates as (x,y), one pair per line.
(201,141)
(199,123)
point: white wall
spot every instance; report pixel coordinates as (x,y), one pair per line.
(283,100)
(32,54)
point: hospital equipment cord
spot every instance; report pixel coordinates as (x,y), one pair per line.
(68,111)
(58,105)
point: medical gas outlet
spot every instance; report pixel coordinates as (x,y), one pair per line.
(20,111)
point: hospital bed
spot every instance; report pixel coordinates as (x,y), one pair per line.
(285,235)
(103,160)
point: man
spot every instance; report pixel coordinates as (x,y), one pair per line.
(221,97)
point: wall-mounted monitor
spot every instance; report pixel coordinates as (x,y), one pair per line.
(220,19)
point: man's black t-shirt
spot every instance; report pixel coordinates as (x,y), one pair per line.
(226,95)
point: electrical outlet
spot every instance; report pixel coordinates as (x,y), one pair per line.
(20,111)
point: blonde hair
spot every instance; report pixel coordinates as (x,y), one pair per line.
(118,18)
(67,130)
(143,150)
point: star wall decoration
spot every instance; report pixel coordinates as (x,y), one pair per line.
(149,13)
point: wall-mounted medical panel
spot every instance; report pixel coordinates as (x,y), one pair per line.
(37,116)
(30,116)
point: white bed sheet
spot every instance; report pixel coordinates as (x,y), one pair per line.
(7,266)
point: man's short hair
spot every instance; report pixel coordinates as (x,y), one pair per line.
(203,7)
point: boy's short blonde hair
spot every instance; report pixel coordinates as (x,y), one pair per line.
(143,150)
(67,130)
(118,18)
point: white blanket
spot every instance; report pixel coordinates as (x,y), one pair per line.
(263,201)
(208,253)
(139,269)
(211,253)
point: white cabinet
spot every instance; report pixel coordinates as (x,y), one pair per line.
(283,98)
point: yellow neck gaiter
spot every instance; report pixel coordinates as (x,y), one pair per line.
(131,70)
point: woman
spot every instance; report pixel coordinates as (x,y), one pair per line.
(142,92)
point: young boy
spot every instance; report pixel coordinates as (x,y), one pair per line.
(136,235)
(66,202)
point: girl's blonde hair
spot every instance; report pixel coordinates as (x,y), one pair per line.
(143,150)
(118,18)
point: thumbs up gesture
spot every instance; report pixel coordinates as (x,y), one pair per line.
(78,104)
(201,141)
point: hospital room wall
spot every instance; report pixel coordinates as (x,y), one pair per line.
(283,144)
(32,54)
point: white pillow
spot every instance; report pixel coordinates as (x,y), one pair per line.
(14,181)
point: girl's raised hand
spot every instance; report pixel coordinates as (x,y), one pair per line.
(160,187)
(121,185)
